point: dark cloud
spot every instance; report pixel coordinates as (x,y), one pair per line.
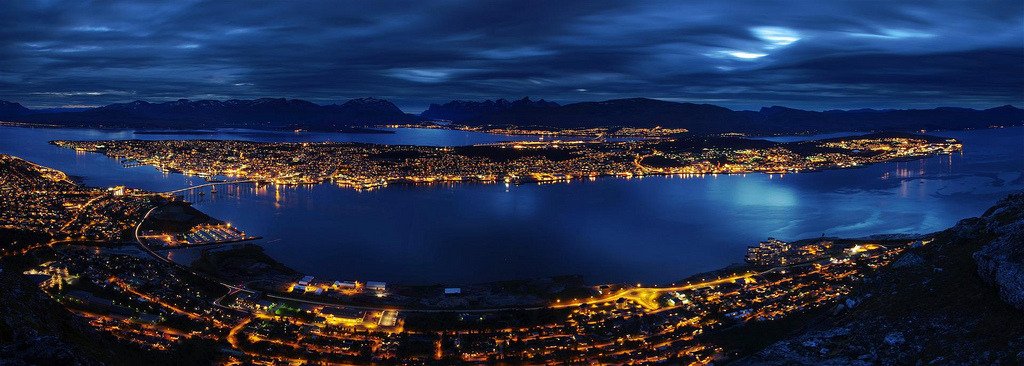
(739,54)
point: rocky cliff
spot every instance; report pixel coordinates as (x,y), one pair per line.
(955,301)
(1001,262)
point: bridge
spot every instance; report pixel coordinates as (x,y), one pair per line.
(211,184)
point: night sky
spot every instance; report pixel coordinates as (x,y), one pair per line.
(805,54)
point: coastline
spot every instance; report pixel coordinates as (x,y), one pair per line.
(507,177)
(380,129)
(425,309)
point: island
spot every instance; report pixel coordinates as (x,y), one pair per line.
(368,166)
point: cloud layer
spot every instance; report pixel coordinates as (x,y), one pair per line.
(815,55)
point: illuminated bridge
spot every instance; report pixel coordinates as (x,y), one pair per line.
(211,184)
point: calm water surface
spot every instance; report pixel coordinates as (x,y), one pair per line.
(655,229)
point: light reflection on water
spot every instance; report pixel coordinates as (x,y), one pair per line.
(655,229)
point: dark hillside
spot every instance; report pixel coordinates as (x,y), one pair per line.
(932,306)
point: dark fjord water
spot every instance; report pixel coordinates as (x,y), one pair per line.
(655,229)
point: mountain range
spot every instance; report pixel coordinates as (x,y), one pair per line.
(184,113)
(708,118)
(631,112)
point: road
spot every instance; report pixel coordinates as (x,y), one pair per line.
(648,296)
(138,241)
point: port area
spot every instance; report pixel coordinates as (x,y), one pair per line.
(178,225)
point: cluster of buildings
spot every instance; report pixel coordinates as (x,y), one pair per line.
(635,132)
(143,299)
(774,252)
(366,166)
(41,200)
(308,285)
(157,305)
(134,298)
(316,313)
(203,234)
(617,324)
(895,146)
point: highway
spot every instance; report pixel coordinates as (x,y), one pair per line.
(647,296)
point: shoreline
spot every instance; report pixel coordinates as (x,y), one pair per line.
(375,129)
(508,178)
(726,270)
(566,132)
(580,287)
(712,303)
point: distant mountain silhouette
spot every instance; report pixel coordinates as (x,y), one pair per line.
(258,113)
(11,109)
(707,118)
(461,110)
(633,112)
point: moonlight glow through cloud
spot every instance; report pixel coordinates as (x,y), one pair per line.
(776,36)
(745,55)
(836,54)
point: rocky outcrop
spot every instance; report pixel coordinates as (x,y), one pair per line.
(1001,262)
(955,301)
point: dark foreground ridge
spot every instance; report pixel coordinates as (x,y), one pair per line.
(958,301)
